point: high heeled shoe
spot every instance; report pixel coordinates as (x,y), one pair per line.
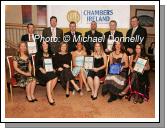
(135,100)
(91,96)
(34,99)
(29,100)
(94,98)
(67,95)
(79,90)
(51,103)
(140,99)
(122,94)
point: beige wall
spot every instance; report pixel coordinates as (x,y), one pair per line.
(13,14)
(150,30)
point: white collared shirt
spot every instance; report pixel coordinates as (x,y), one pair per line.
(32,37)
(53,30)
(134,30)
(72,32)
(112,33)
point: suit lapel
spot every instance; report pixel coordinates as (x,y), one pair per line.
(135,33)
(49,31)
(115,34)
(27,37)
(57,33)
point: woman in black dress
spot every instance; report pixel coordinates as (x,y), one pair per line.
(139,81)
(23,72)
(63,67)
(45,78)
(98,72)
(117,56)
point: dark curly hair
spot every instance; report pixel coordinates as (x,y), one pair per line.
(122,46)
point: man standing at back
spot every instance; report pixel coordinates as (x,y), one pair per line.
(93,33)
(54,34)
(135,31)
(73,36)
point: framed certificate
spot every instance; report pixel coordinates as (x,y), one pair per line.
(32,47)
(110,44)
(48,65)
(139,66)
(89,62)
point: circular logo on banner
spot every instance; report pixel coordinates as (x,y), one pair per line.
(73,15)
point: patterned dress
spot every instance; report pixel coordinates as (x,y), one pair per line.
(21,79)
(114,86)
(119,82)
(140,82)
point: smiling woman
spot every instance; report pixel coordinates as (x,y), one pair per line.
(76,74)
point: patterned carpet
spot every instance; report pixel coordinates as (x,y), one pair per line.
(77,106)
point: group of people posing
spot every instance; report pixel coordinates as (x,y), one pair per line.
(66,59)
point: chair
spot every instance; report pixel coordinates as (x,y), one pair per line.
(33,66)
(33,63)
(12,81)
(132,92)
(103,78)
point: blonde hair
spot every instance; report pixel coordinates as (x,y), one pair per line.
(101,48)
(62,43)
(18,51)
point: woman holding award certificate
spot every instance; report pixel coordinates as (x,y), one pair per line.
(63,65)
(115,81)
(45,72)
(139,66)
(23,75)
(94,75)
(78,57)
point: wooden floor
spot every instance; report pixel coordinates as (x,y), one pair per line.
(77,106)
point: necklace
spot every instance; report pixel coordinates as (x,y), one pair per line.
(117,53)
(79,53)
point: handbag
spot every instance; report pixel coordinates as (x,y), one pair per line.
(115,68)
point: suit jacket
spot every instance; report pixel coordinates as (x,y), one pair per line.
(140,31)
(72,43)
(59,35)
(89,45)
(25,38)
(117,35)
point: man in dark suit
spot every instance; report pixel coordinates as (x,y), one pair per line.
(30,36)
(134,32)
(54,34)
(112,35)
(73,37)
(90,35)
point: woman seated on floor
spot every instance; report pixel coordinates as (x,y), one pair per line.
(63,66)
(139,81)
(23,72)
(116,81)
(44,76)
(77,63)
